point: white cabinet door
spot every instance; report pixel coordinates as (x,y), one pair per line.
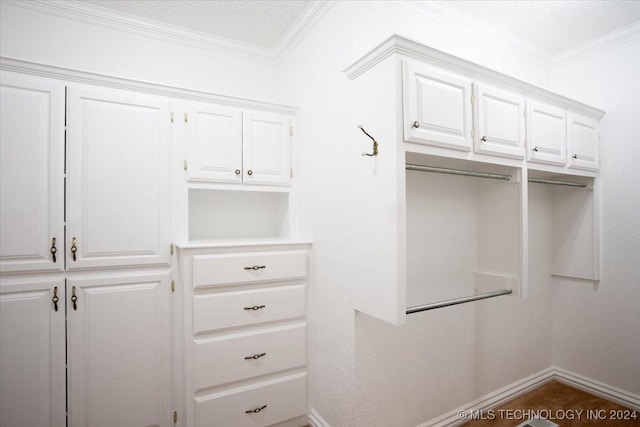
(437,107)
(266,148)
(501,127)
(214,143)
(32,180)
(32,352)
(546,134)
(582,142)
(117,178)
(119,351)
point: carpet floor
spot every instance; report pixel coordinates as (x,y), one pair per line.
(560,404)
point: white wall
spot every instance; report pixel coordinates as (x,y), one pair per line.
(596,329)
(364,371)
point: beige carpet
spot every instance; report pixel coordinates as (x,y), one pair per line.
(561,404)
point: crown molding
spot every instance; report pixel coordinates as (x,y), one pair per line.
(112,19)
(600,44)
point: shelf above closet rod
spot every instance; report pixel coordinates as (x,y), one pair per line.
(462,172)
(455,301)
(556,182)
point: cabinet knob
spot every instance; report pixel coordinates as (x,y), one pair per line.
(237,171)
(249,172)
(416,124)
(483,139)
(575,156)
(535,148)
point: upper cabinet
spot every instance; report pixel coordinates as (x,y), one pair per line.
(582,140)
(546,134)
(437,107)
(231,145)
(500,119)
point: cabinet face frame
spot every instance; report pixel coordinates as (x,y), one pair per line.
(546,133)
(500,122)
(437,107)
(583,139)
(32,200)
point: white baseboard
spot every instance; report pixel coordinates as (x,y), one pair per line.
(498,397)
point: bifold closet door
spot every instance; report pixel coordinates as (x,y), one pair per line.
(32,353)
(119,350)
(118,183)
(32,180)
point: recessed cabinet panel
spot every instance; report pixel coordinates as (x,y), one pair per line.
(437,107)
(501,126)
(215,143)
(583,139)
(546,134)
(32,353)
(117,178)
(32,167)
(119,354)
(266,149)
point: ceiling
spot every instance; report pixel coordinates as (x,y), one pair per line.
(551,26)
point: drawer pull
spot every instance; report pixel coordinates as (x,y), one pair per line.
(256,267)
(255,307)
(255,411)
(255,356)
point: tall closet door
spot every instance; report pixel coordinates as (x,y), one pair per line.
(119,350)
(266,148)
(32,352)
(32,180)
(117,178)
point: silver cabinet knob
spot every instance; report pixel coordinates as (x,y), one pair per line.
(249,172)
(237,171)
(416,124)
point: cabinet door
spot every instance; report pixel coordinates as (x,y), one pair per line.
(501,129)
(117,178)
(32,173)
(119,351)
(266,148)
(546,134)
(437,107)
(582,142)
(214,143)
(32,353)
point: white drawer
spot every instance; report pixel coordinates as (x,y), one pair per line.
(231,309)
(219,361)
(281,399)
(226,269)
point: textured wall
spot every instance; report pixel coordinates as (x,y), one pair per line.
(596,329)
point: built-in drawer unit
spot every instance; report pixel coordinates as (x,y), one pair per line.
(244,346)
(262,405)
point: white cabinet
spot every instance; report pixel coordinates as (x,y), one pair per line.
(437,107)
(119,350)
(546,134)
(32,173)
(500,122)
(32,352)
(227,144)
(117,178)
(244,341)
(582,140)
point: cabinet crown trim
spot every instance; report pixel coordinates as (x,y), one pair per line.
(397,44)
(87,77)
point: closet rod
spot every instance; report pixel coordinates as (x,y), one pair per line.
(554,182)
(455,301)
(463,172)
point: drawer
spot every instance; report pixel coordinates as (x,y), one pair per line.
(231,309)
(219,361)
(227,269)
(281,399)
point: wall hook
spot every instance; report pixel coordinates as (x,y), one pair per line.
(375,143)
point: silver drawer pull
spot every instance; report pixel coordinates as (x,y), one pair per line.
(255,356)
(256,267)
(255,411)
(255,307)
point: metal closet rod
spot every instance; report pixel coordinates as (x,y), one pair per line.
(462,172)
(455,301)
(556,182)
